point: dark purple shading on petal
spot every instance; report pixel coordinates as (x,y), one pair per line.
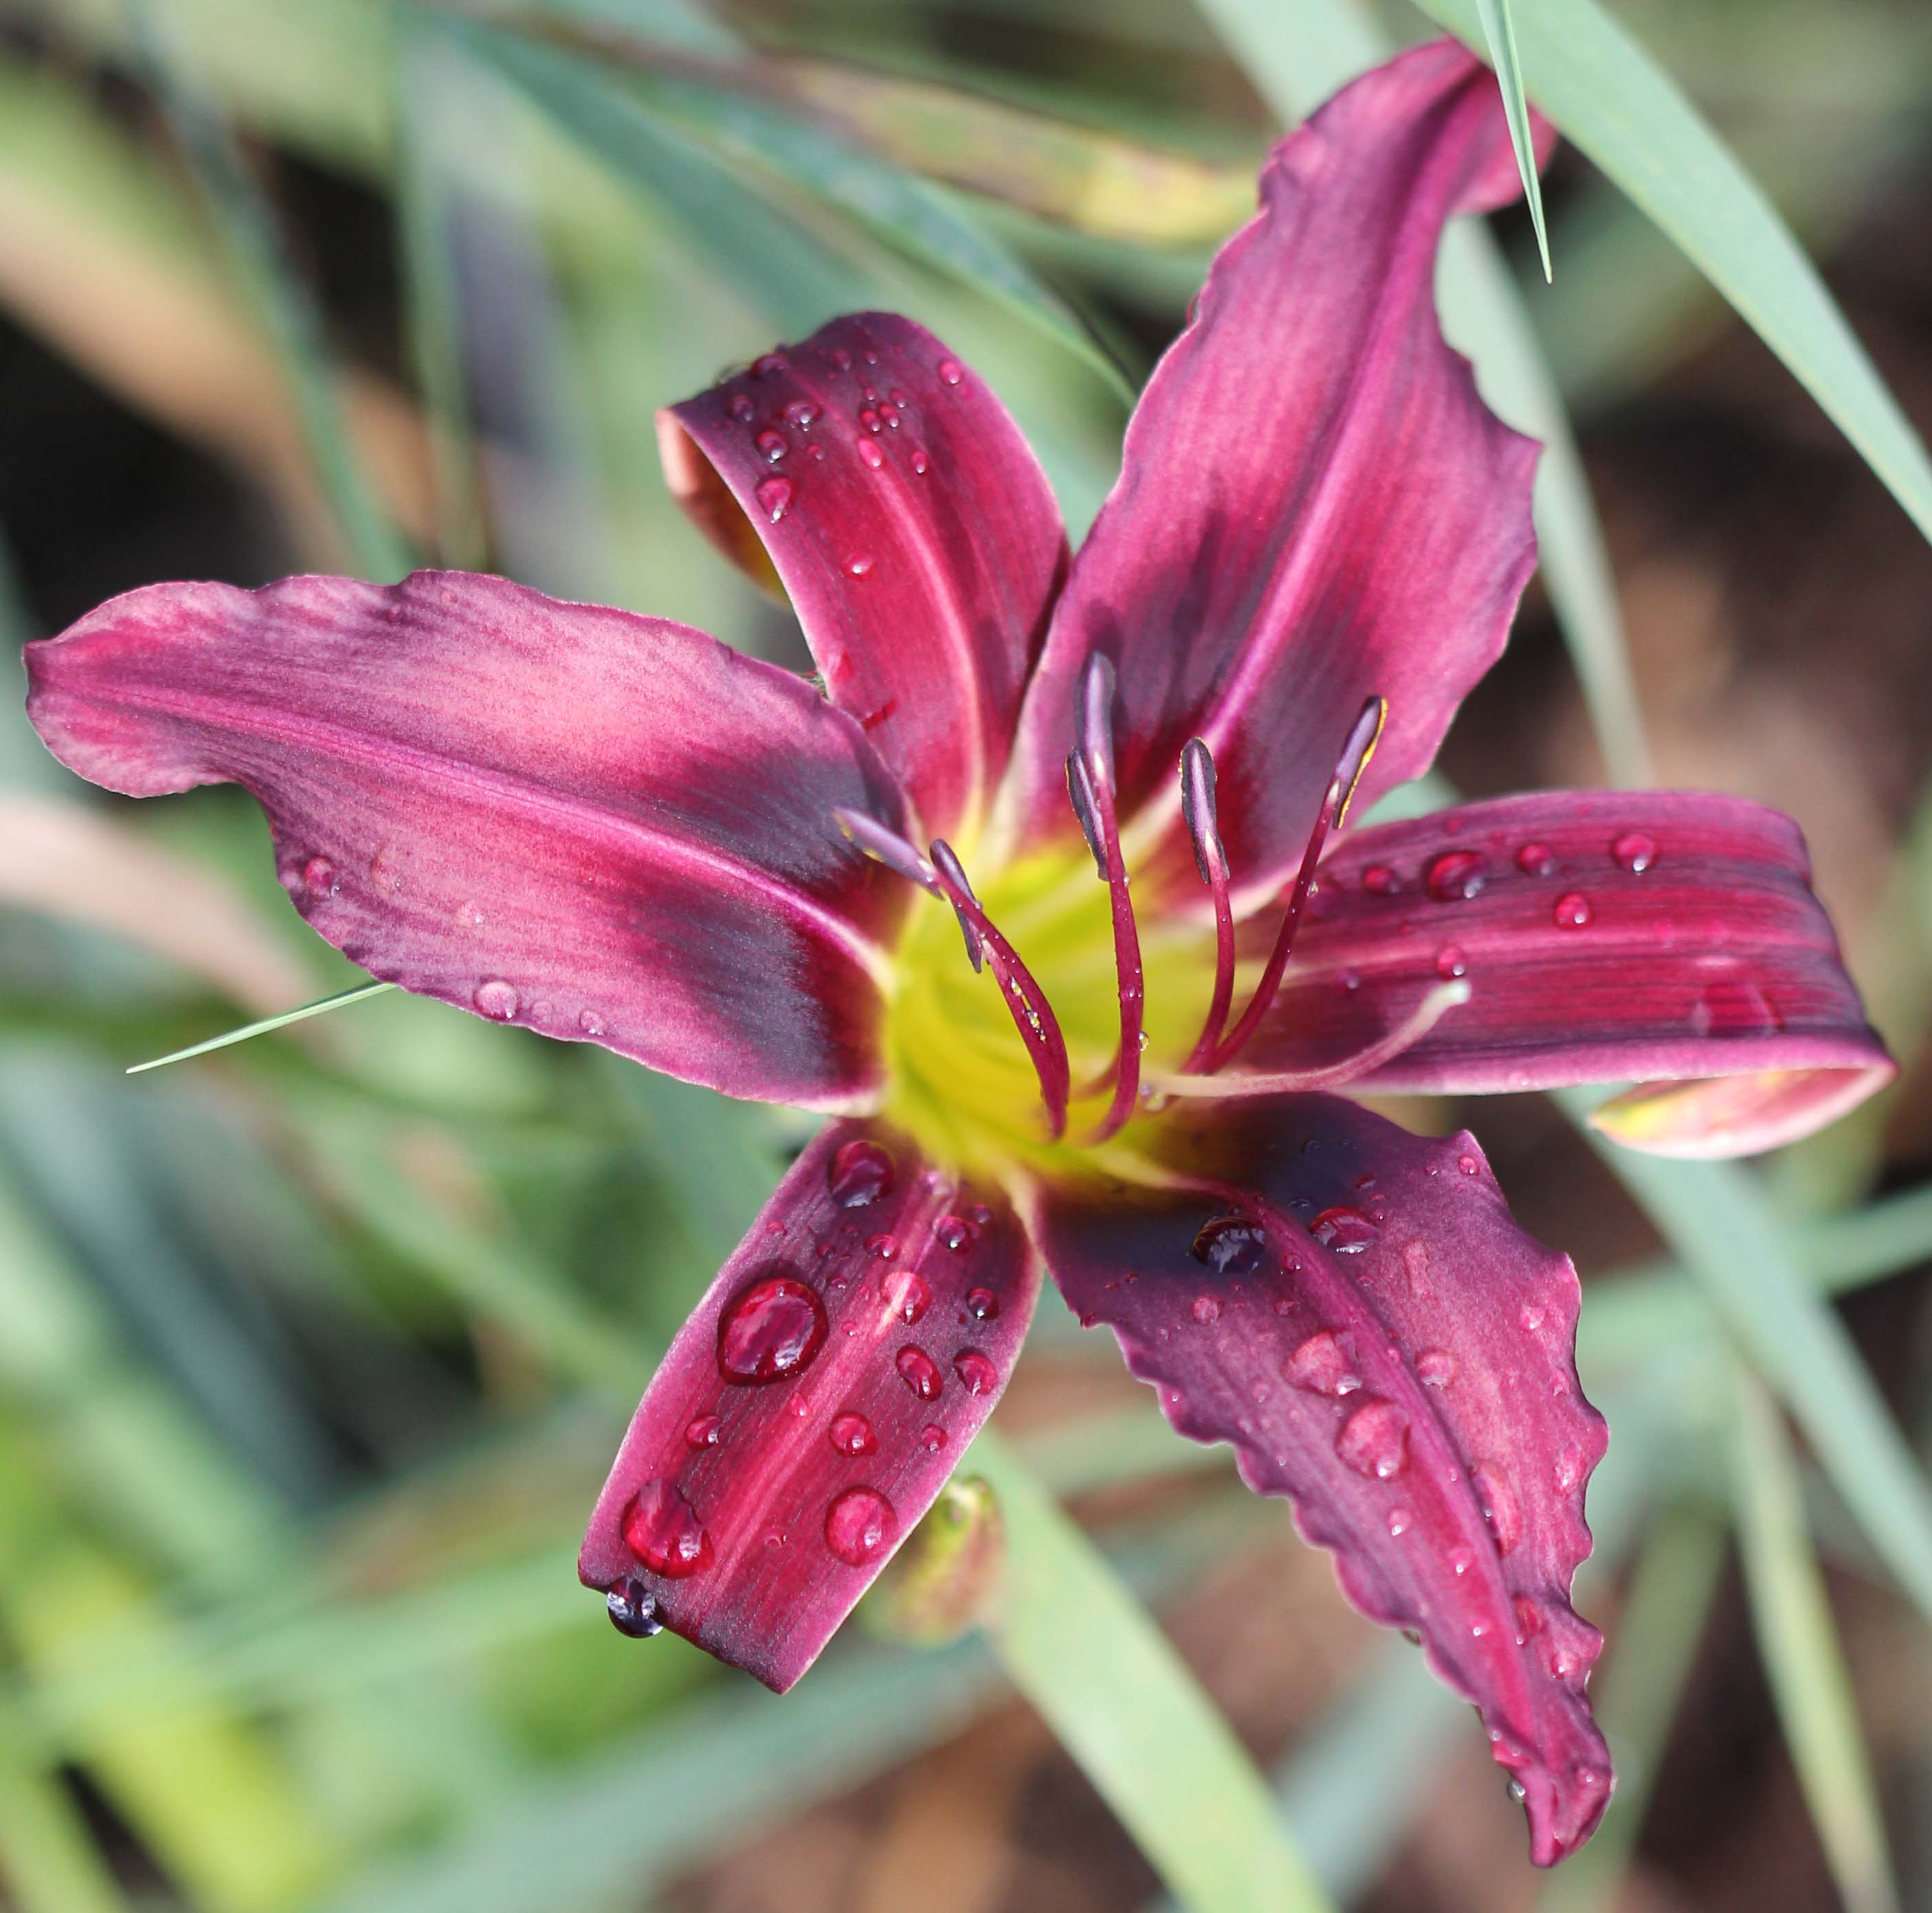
(1354,1309)
(1314,506)
(1665,937)
(813,1405)
(603,826)
(910,523)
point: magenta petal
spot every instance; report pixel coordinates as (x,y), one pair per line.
(813,1405)
(1353,1308)
(604,826)
(1314,506)
(911,526)
(1665,937)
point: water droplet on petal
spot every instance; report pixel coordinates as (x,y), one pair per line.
(920,462)
(885,1247)
(770,365)
(1461,1560)
(932,1437)
(981,1304)
(1569,1468)
(861,1171)
(954,1232)
(920,1372)
(870,419)
(770,1330)
(1469,1165)
(775,496)
(841,359)
(662,1531)
(1635,852)
(859,1525)
(1531,1315)
(976,1371)
(1501,1508)
(1230,1246)
(858,563)
(633,1610)
(1374,1441)
(1572,910)
(801,412)
(1206,1308)
(1458,875)
(1347,1231)
(1323,1365)
(1451,962)
(1529,1619)
(1398,1519)
(851,1434)
(742,409)
(495,998)
(1415,1266)
(907,1295)
(1380,881)
(590,1023)
(871,453)
(1536,860)
(773,445)
(951,371)
(701,1432)
(319,873)
(1436,1368)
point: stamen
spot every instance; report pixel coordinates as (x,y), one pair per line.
(897,855)
(1089,777)
(1353,761)
(1025,1000)
(1437,1001)
(1210,859)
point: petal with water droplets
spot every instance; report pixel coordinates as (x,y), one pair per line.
(1393,1393)
(602,825)
(881,483)
(1669,937)
(831,1421)
(1314,506)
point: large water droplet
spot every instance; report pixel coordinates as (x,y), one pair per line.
(1323,1365)
(495,998)
(981,1304)
(590,1023)
(633,1610)
(1501,1508)
(662,1531)
(1572,910)
(851,1434)
(861,1171)
(858,563)
(701,1432)
(907,1295)
(1399,1520)
(976,1371)
(1536,860)
(954,1232)
(1635,852)
(1451,962)
(951,371)
(770,365)
(871,454)
(1529,1619)
(775,496)
(742,409)
(1380,881)
(802,413)
(932,1437)
(885,1247)
(920,462)
(1436,1368)
(859,1525)
(1457,875)
(769,1331)
(920,1372)
(772,445)
(318,875)
(1206,1309)
(1347,1231)
(1230,1246)
(1374,1441)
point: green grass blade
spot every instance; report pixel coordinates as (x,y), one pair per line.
(1090,1658)
(1296,56)
(339,1000)
(1621,108)
(1636,1695)
(1499,34)
(1719,1224)
(49,1863)
(1799,1642)
(282,302)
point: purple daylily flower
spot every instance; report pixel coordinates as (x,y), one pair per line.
(611,828)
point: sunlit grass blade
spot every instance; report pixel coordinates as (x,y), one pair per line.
(1499,34)
(1636,1695)
(48,1862)
(1606,95)
(1090,1658)
(1296,56)
(339,1000)
(1723,1229)
(1799,1643)
(282,302)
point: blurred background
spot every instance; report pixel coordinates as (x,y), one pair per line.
(314,1351)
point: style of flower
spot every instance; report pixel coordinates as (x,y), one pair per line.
(611,828)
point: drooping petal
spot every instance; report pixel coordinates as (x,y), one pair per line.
(910,523)
(1354,1309)
(1668,937)
(813,1405)
(603,826)
(1314,506)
